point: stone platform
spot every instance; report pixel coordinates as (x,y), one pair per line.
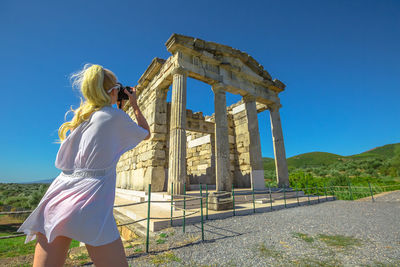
(161,211)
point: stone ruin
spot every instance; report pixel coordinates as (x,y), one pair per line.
(223,149)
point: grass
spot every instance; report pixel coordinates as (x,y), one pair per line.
(312,262)
(13,247)
(268,252)
(162,238)
(137,250)
(304,237)
(82,258)
(192,238)
(395,263)
(161,241)
(329,255)
(165,258)
(163,235)
(339,241)
(358,188)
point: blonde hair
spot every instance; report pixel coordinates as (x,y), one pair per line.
(93,81)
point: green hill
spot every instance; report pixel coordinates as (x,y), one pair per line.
(385,152)
(311,159)
(320,159)
(268,162)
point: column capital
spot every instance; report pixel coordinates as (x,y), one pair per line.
(161,92)
(274,106)
(218,88)
(249,98)
(179,70)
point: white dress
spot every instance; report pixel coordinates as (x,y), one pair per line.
(79,202)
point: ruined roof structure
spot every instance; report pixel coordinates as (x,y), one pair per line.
(187,148)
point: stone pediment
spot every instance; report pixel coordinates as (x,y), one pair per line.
(151,71)
(215,64)
(223,56)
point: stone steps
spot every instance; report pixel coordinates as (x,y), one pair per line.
(243,205)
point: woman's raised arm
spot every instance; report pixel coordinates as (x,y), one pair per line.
(141,120)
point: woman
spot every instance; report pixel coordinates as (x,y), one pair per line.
(79,202)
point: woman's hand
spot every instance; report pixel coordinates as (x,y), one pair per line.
(132,97)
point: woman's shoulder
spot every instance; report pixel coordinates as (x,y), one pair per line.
(114,111)
(103,114)
(109,112)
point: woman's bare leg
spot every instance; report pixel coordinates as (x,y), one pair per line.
(112,254)
(51,254)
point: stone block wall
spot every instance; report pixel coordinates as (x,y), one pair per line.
(200,157)
(240,146)
(148,162)
(201,150)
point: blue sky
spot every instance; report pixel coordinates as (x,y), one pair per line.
(339,59)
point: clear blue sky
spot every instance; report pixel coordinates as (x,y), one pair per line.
(340,60)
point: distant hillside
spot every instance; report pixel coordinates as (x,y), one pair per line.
(311,159)
(318,159)
(268,162)
(48,181)
(386,151)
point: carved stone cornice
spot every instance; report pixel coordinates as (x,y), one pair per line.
(180,42)
(179,70)
(249,98)
(151,71)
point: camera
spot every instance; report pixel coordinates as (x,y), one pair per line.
(121,93)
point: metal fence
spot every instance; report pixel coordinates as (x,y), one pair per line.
(315,191)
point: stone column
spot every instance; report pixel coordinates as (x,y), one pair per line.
(282,174)
(256,163)
(177,131)
(222,172)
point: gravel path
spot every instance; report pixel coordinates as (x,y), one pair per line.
(389,197)
(335,233)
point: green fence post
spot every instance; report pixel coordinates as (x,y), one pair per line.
(317,192)
(351,193)
(372,194)
(254,203)
(284,194)
(297,196)
(326,194)
(333,191)
(201,212)
(172,201)
(184,206)
(308,194)
(148,219)
(270,196)
(206,202)
(233,199)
